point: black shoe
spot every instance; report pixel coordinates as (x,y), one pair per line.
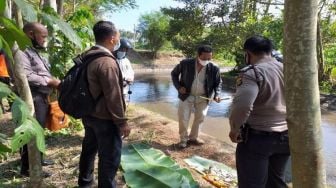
(25,173)
(47,162)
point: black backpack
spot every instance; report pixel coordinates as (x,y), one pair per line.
(75,97)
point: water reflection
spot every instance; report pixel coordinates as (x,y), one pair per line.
(158,87)
(157,92)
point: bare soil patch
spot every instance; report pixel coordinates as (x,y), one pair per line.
(147,126)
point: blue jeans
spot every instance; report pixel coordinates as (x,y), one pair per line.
(102,137)
(261,160)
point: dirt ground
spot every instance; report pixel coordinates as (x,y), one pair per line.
(156,130)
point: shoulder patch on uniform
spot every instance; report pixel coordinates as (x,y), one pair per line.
(239,81)
(246,68)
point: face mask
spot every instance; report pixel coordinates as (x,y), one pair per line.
(121,54)
(117,46)
(36,44)
(203,62)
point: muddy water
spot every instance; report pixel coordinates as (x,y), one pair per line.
(157,93)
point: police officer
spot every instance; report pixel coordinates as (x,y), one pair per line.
(125,65)
(41,82)
(258,118)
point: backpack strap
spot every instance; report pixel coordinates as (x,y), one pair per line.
(89,58)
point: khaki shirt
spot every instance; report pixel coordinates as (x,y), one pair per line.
(259,99)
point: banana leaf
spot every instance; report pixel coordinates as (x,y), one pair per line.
(203,164)
(4,90)
(12,33)
(20,111)
(148,167)
(25,132)
(220,170)
(2,7)
(27,9)
(64,27)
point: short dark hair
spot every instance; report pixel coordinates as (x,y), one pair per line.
(258,44)
(204,48)
(102,30)
(32,26)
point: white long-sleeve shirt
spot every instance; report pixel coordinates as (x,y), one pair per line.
(127,72)
(126,69)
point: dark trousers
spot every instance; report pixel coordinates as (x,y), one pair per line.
(102,137)
(261,160)
(41,111)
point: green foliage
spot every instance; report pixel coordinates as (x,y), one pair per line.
(25,132)
(4,45)
(64,27)
(126,34)
(327,87)
(2,7)
(186,28)
(28,127)
(333,73)
(223,24)
(20,111)
(112,5)
(4,146)
(62,50)
(154,27)
(4,90)
(75,124)
(13,33)
(27,10)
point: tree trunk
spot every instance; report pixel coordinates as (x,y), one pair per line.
(8,9)
(254,9)
(302,94)
(60,7)
(18,16)
(267,7)
(320,56)
(50,3)
(74,6)
(23,89)
(245,6)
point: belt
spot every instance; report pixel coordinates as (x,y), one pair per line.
(266,133)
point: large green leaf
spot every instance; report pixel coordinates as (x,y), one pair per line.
(222,171)
(23,134)
(148,167)
(39,133)
(20,111)
(4,90)
(64,27)
(13,33)
(28,11)
(4,148)
(4,45)
(2,6)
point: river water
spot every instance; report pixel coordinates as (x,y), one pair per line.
(156,92)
